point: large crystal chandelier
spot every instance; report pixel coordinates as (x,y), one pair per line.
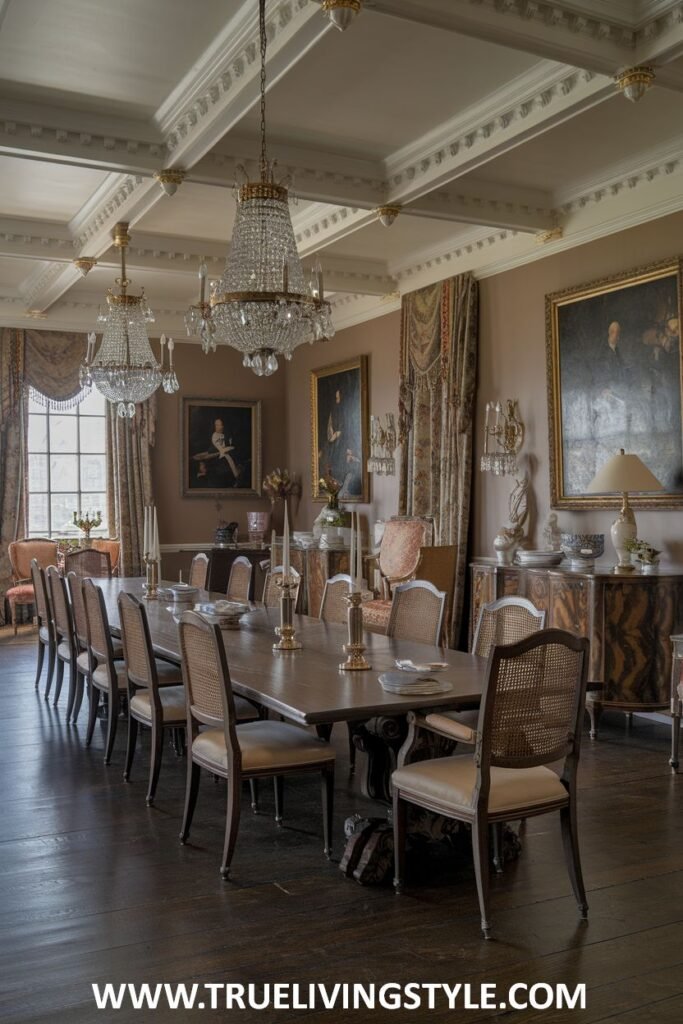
(262,305)
(124,368)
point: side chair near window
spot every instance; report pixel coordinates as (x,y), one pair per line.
(46,628)
(531,716)
(20,554)
(107,675)
(239,581)
(271,590)
(67,652)
(417,610)
(80,623)
(260,749)
(88,562)
(199,570)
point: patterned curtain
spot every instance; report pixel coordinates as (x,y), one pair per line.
(13,411)
(51,367)
(436,409)
(129,479)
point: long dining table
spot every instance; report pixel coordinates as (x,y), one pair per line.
(307,686)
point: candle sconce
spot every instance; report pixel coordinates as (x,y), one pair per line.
(382,445)
(503,438)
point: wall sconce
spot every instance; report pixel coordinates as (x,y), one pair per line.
(382,445)
(504,435)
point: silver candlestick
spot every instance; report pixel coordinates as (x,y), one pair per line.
(152,580)
(355,662)
(286,630)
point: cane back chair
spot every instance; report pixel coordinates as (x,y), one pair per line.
(67,652)
(272,591)
(199,570)
(417,610)
(88,562)
(239,581)
(46,628)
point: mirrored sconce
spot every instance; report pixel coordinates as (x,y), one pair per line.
(503,438)
(382,445)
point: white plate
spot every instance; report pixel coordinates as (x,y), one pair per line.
(406,665)
(396,682)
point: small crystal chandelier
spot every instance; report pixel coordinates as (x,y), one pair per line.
(124,369)
(382,446)
(261,306)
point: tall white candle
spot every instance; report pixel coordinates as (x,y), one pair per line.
(285,544)
(359,554)
(352,553)
(162,342)
(145,533)
(272,547)
(156,554)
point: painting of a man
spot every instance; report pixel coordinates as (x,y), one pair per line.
(615,363)
(340,431)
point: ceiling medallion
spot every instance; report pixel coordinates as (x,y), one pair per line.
(84,265)
(341,12)
(262,305)
(634,82)
(170,179)
(124,369)
(386,215)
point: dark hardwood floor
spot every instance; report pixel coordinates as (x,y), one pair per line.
(95,886)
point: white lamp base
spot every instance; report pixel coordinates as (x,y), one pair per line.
(623,530)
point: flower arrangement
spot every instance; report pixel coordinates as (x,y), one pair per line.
(332,486)
(278,484)
(643,552)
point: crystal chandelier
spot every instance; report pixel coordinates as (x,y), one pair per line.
(261,305)
(124,369)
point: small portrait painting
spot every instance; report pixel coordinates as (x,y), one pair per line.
(221,449)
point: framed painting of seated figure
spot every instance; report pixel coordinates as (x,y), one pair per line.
(221,448)
(615,381)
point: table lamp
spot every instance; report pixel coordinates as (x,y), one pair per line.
(623,473)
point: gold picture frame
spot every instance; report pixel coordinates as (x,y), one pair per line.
(220,450)
(614,380)
(339,429)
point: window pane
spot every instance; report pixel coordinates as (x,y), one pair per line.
(94,502)
(34,406)
(37,433)
(37,514)
(92,434)
(37,473)
(93,473)
(63,473)
(63,433)
(63,507)
(93,405)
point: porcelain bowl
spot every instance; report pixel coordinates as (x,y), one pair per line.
(582,548)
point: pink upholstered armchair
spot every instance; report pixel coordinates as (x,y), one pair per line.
(21,552)
(398,560)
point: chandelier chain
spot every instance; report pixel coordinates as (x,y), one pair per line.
(263,40)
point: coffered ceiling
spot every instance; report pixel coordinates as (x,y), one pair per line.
(495,125)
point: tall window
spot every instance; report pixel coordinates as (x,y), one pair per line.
(67,469)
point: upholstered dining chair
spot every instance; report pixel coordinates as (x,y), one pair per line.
(504,622)
(531,715)
(88,562)
(84,662)
(260,749)
(67,652)
(334,606)
(239,581)
(199,570)
(21,553)
(107,675)
(46,628)
(271,590)
(113,548)
(397,561)
(417,610)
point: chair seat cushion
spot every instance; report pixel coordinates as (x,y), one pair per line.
(64,651)
(172,704)
(22,593)
(100,676)
(83,662)
(265,746)
(449,783)
(376,615)
(44,634)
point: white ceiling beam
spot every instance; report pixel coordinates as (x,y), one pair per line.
(352,274)
(479,203)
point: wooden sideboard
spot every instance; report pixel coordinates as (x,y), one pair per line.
(627,617)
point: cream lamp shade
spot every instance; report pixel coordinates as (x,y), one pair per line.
(623,473)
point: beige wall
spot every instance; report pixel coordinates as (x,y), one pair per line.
(379,339)
(217,375)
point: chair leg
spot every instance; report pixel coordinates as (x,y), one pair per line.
(130,747)
(279,786)
(328,809)
(191,791)
(58,681)
(572,856)
(41,658)
(71,697)
(232,824)
(155,763)
(80,687)
(13,614)
(253,788)
(497,840)
(480,849)
(94,703)
(51,657)
(112,724)
(399,818)
(594,713)
(352,752)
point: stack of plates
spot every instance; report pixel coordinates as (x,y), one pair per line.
(225,613)
(539,557)
(399,682)
(427,667)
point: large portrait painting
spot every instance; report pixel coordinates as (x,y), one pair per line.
(220,454)
(339,421)
(614,381)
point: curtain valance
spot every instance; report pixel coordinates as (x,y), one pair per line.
(52,362)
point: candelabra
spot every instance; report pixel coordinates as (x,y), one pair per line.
(506,433)
(286,630)
(152,579)
(355,661)
(382,446)
(86,522)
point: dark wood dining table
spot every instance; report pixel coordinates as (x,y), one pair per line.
(307,686)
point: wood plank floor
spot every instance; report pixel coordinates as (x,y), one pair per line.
(95,886)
